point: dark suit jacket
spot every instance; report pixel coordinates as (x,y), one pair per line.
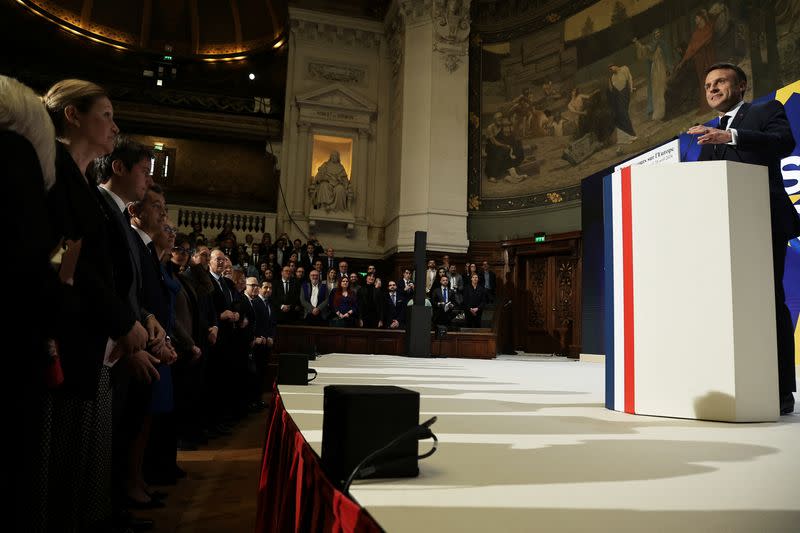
(322,299)
(396,311)
(437,299)
(33,318)
(327,266)
(474,297)
(370,303)
(269,326)
(76,213)
(765,137)
(125,253)
(482,280)
(280,297)
(308,262)
(154,295)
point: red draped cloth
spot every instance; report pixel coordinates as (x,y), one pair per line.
(293,492)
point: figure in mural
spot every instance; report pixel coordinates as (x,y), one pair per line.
(620,89)
(504,152)
(577,104)
(700,51)
(331,188)
(659,56)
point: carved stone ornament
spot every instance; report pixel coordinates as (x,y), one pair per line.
(451,31)
(341,36)
(394,40)
(415,11)
(340,73)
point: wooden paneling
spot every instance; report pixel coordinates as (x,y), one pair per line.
(305,339)
(544,286)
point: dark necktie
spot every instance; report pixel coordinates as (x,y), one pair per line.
(719,150)
(225,292)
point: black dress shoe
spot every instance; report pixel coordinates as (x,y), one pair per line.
(787,404)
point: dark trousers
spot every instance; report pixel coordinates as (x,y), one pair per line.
(473,321)
(130,404)
(785,328)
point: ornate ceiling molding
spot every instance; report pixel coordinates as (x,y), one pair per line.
(334,29)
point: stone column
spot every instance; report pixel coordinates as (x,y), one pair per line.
(301,178)
(433,160)
(362,174)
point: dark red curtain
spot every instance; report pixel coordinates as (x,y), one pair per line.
(293,492)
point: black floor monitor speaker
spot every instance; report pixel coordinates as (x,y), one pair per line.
(360,419)
(293,369)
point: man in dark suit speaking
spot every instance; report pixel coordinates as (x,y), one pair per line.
(759,135)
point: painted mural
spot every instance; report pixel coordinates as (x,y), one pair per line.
(580,86)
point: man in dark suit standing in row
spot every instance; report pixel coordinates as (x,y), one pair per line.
(395,307)
(488,281)
(286,297)
(758,135)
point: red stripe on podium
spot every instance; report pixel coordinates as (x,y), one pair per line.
(627,288)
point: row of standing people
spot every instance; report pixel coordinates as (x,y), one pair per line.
(134,345)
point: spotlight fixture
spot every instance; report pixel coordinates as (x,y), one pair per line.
(251,76)
(279,43)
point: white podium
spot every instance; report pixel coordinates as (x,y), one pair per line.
(690,312)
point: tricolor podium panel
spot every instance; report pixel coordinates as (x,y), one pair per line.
(690,327)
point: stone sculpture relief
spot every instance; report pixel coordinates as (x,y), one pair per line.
(331,190)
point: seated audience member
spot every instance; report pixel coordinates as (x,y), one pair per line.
(474,302)
(445,303)
(318,266)
(300,274)
(370,304)
(343,305)
(314,299)
(394,307)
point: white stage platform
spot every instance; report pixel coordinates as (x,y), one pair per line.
(528,446)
